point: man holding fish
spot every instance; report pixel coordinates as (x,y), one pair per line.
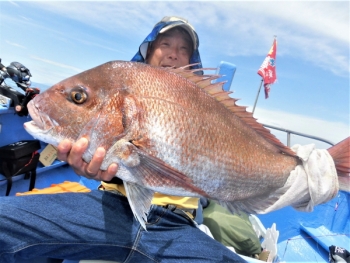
(100,224)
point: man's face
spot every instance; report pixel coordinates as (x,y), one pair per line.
(170,49)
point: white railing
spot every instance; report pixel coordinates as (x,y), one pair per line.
(289,132)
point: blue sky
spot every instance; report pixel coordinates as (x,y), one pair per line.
(59,39)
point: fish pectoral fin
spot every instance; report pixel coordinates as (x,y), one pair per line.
(128,155)
(163,173)
(140,200)
(142,167)
(143,164)
(122,151)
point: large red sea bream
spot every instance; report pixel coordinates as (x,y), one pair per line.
(171,131)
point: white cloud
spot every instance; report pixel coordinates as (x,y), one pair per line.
(26,18)
(317,32)
(15,44)
(329,19)
(326,18)
(49,72)
(328,130)
(77,70)
(14,3)
(96,44)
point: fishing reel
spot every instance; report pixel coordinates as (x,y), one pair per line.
(20,74)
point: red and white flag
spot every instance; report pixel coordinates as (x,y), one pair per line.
(267,69)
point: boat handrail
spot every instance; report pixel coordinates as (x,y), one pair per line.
(289,132)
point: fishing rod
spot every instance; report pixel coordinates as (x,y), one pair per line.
(19,74)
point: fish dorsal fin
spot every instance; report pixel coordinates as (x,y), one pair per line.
(216,91)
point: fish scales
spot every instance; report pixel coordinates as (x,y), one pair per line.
(194,108)
(213,143)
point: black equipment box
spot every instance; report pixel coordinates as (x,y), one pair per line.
(19,158)
(19,149)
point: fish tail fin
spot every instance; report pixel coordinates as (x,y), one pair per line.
(341,157)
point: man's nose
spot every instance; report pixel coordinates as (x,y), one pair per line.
(173,53)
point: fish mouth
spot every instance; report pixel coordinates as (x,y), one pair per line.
(40,121)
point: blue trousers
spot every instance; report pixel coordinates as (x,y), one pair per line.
(100,225)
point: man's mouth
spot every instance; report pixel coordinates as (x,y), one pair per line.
(168,66)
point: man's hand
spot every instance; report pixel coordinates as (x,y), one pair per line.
(72,154)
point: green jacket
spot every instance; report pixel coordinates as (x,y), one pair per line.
(231,230)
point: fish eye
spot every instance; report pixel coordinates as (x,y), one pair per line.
(78,96)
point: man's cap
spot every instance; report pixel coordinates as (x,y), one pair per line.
(179,22)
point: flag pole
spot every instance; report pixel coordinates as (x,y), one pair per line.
(257,96)
(268,64)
